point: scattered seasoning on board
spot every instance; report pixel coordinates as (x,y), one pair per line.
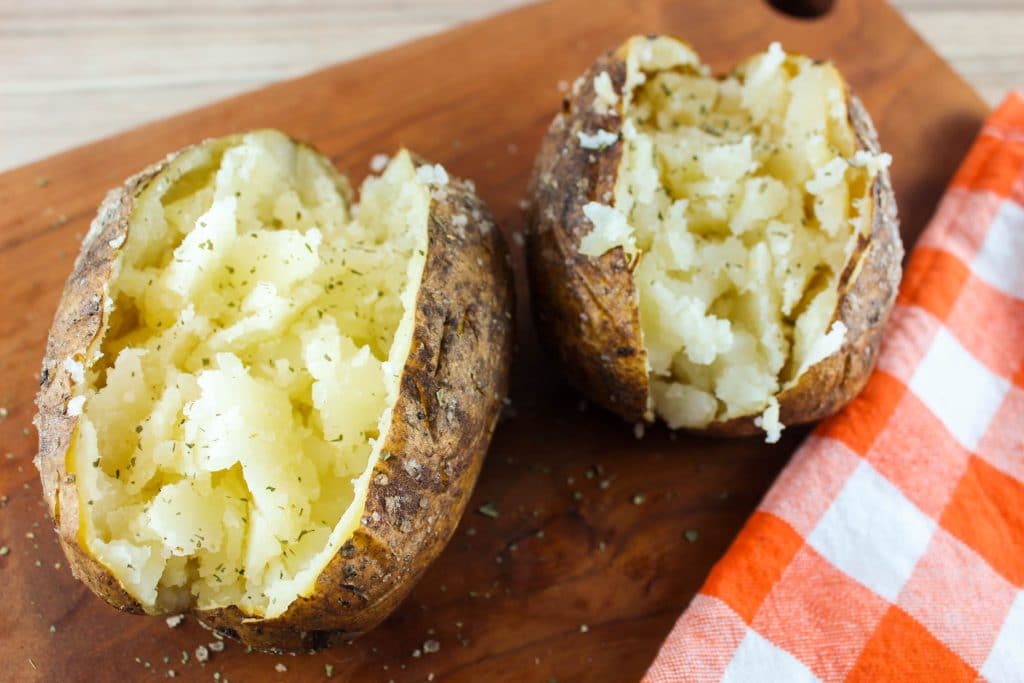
(692,535)
(488,510)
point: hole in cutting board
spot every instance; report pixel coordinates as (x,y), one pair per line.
(803,9)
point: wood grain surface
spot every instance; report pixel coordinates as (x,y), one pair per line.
(75,72)
(601,538)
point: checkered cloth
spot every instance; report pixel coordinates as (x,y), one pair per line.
(891,548)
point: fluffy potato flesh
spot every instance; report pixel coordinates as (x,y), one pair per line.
(743,201)
(245,380)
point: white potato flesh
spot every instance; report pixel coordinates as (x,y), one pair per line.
(742,200)
(235,411)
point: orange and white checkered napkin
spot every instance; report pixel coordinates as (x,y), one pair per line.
(892,546)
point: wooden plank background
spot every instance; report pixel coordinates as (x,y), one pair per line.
(73,73)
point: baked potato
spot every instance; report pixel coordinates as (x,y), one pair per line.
(263,404)
(721,253)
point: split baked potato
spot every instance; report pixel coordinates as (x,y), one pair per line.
(263,404)
(721,253)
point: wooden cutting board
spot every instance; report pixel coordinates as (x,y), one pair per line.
(601,539)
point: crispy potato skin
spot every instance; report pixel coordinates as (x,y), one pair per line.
(76,333)
(587,309)
(450,398)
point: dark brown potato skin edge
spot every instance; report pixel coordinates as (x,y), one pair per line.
(450,398)
(587,309)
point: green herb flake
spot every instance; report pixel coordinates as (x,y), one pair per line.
(488,510)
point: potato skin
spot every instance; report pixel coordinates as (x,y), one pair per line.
(587,308)
(450,398)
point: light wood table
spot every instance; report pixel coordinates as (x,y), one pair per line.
(74,72)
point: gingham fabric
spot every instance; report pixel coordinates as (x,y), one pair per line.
(891,548)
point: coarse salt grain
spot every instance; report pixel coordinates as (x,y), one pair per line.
(75,369)
(432,174)
(379,162)
(75,406)
(599,140)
